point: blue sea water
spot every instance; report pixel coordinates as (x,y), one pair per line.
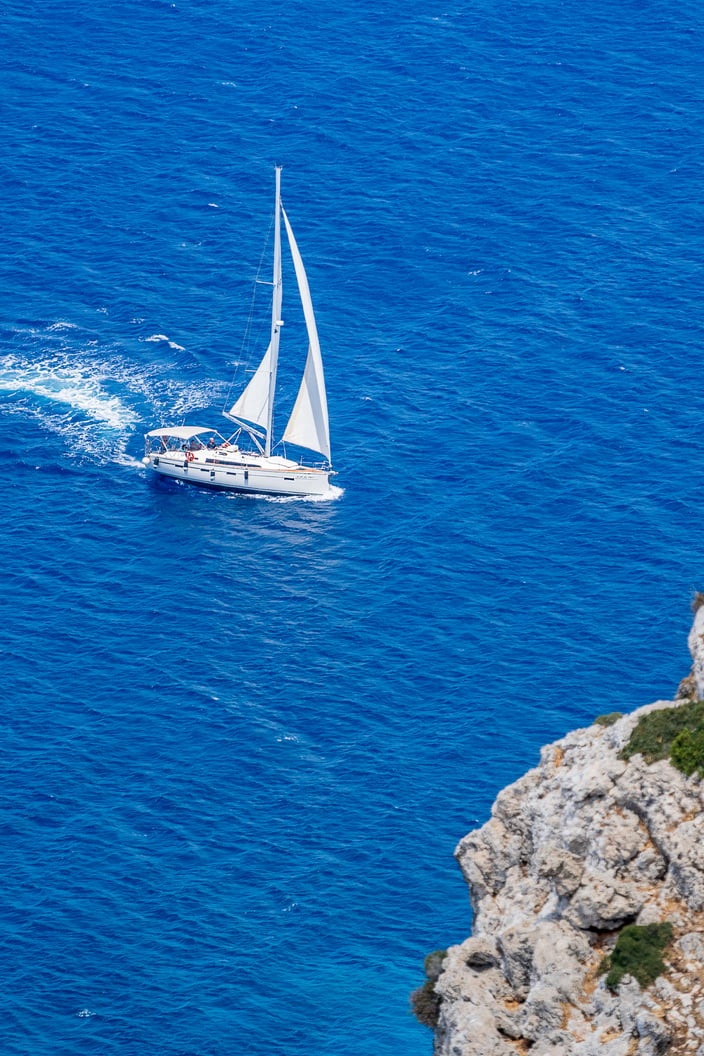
(241,737)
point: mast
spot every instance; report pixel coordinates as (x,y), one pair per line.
(276,321)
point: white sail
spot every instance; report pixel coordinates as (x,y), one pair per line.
(308,425)
(253,404)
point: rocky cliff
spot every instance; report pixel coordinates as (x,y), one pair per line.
(583,845)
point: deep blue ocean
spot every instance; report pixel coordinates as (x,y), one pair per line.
(242,737)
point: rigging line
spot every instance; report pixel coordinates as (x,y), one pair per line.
(245,347)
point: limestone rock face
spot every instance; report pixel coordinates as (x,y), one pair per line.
(696,648)
(580,846)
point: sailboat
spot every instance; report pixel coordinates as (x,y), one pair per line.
(207,457)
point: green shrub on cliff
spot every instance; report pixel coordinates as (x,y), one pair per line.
(688,751)
(638,952)
(608,720)
(425,1001)
(656,733)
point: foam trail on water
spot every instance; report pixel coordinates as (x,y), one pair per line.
(94,400)
(123,459)
(60,383)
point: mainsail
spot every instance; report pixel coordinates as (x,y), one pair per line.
(308,425)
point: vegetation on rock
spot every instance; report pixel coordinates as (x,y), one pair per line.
(638,952)
(425,1001)
(608,720)
(671,733)
(687,752)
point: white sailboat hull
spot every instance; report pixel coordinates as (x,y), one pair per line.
(233,470)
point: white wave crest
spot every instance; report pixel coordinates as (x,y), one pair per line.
(163,337)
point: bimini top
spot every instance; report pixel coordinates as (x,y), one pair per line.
(181,432)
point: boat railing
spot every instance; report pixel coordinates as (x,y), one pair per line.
(324,467)
(159,445)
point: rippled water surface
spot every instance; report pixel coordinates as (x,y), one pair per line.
(241,737)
